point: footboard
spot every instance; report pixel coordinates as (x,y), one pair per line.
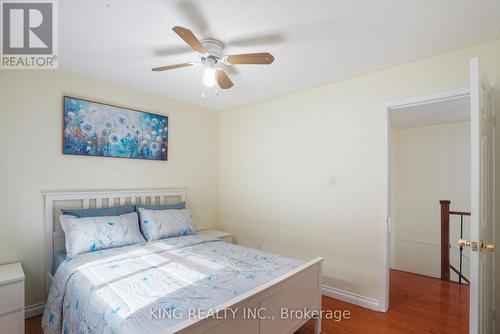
(281,306)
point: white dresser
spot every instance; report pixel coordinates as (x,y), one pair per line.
(226,236)
(12,298)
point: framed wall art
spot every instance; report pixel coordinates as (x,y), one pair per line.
(98,129)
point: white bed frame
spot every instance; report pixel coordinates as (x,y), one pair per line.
(299,289)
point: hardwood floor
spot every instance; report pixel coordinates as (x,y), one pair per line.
(418,304)
(32,325)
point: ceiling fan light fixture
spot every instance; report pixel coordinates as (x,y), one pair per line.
(209,76)
(211,56)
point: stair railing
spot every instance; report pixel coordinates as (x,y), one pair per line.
(445,242)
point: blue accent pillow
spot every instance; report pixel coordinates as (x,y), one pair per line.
(59,258)
(177,206)
(102,212)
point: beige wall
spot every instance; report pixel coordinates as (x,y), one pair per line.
(31,159)
(428,164)
(277,156)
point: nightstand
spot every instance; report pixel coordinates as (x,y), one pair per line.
(12,298)
(226,236)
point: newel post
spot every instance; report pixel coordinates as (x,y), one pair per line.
(445,239)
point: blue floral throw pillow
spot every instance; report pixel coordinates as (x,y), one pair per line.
(90,234)
(161,224)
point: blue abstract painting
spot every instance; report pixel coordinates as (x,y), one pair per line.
(96,129)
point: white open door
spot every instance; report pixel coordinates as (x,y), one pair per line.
(482,199)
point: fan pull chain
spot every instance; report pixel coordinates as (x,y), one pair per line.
(202,84)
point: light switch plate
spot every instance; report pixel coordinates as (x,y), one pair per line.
(333,181)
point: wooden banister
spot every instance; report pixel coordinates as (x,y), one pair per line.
(460,213)
(462,277)
(445,239)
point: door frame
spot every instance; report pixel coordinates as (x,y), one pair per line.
(441,96)
(496,225)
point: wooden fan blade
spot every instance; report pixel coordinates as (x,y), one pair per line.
(251,58)
(188,37)
(223,80)
(171,67)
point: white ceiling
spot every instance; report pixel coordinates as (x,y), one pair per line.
(314,41)
(436,113)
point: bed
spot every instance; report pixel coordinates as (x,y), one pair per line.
(188,284)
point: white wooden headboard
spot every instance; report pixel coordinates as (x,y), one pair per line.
(54,201)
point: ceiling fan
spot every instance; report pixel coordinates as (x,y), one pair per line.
(212,59)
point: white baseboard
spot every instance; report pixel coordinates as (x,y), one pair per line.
(33,310)
(353,298)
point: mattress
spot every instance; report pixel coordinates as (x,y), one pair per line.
(150,287)
(58,258)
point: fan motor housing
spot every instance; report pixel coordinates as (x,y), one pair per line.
(214,47)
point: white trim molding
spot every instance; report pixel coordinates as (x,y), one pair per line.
(33,310)
(418,241)
(353,298)
(442,96)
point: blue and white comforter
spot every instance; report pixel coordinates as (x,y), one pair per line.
(123,290)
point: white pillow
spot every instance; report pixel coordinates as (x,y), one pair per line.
(89,234)
(161,224)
